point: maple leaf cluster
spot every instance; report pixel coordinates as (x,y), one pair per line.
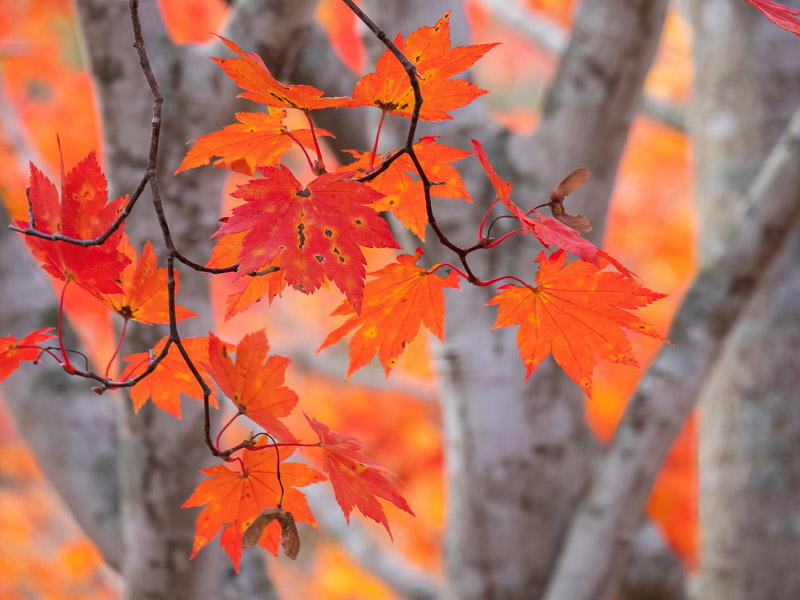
(302,232)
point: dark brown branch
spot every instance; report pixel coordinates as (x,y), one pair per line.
(99,240)
(408,148)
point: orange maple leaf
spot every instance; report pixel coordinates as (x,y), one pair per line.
(81,212)
(253,385)
(783,16)
(403,193)
(171,377)
(429,50)
(358,481)
(14,351)
(576,312)
(144,289)
(233,499)
(251,74)
(258,139)
(395,304)
(317,229)
(251,289)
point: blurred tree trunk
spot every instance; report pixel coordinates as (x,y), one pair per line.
(747,85)
(519,454)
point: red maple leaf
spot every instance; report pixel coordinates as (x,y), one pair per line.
(395,304)
(14,351)
(429,50)
(403,193)
(554,233)
(82,211)
(233,499)
(318,229)
(783,16)
(258,139)
(358,481)
(501,187)
(549,232)
(576,312)
(171,377)
(144,289)
(253,385)
(251,74)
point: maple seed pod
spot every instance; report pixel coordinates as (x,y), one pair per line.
(290,540)
(571,182)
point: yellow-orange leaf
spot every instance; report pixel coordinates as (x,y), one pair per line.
(258,139)
(403,193)
(251,74)
(576,312)
(144,289)
(395,304)
(234,499)
(429,50)
(171,377)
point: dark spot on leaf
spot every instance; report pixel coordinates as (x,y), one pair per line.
(306,193)
(328,232)
(358,221)
(301,235)
(319,258)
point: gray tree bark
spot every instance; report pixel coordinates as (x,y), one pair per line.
(747,85)
(518,455)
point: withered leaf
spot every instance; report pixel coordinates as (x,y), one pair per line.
(571,182)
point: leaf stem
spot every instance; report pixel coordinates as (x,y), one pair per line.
(478,282)
(278,469)
(221,431)
(286,444)
(377,137)
(303,148)
(486,217)
(116,350)
(66,364)
(320,165)
(500,240)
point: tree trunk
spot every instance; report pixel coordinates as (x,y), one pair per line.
(518,455)
(747,85)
